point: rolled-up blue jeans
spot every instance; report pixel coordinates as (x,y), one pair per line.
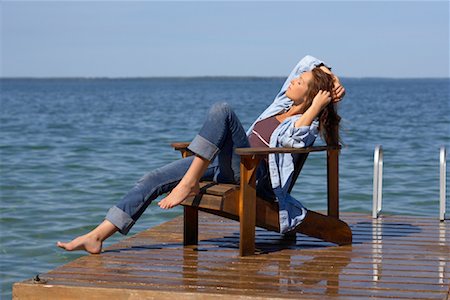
(220,135)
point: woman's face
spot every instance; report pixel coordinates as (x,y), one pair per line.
(298,87)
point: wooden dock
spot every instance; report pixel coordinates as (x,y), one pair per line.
(399,257)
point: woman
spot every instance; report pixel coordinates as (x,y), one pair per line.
(303,107)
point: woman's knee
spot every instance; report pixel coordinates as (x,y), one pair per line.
(220,109)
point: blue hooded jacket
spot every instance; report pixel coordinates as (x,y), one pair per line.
(281,166)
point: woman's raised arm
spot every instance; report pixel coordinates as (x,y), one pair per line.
(320,101)
(307,63)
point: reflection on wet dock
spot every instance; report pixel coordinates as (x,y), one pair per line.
(391,257)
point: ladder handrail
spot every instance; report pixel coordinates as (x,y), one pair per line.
(377,181)
(443,175)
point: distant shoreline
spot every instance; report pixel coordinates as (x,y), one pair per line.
(210,77)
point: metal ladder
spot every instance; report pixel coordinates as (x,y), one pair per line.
(378,182)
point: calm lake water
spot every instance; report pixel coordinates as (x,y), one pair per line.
(70,148)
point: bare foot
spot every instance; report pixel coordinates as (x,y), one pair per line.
(178,194)
(85,242)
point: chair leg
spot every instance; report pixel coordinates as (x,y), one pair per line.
(247,206)
(247,220)
(333,183)
(326,228)
(190,234)
(290,236)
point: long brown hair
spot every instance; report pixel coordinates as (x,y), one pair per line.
(328,118)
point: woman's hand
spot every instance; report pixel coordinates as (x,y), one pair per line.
(322,99)
(338,90)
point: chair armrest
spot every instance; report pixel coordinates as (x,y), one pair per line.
(180,145)
(265,151)
(183,148)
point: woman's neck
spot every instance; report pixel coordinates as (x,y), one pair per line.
(295,110)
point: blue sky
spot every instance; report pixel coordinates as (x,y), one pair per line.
(135,39)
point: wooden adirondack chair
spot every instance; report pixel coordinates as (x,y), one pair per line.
(240,202)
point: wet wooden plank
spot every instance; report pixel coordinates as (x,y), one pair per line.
(182,287)
(395,257)
(249,277)
(218,265)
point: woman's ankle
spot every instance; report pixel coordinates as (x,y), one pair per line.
(103,231)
